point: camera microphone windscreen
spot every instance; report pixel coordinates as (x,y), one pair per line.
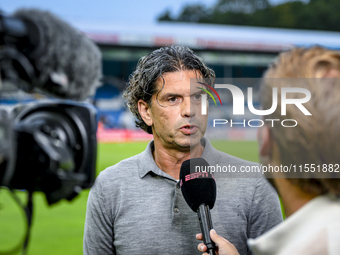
(61,54)
(197,187)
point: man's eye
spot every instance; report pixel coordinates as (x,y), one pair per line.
(197,97)
(172,99)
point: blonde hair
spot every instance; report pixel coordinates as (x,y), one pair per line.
(316,138)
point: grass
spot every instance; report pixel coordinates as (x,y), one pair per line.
(242,149)
(58,229)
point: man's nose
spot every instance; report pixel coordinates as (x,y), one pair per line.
(188,109)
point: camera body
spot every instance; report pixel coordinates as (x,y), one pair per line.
(51,145)
(48,146)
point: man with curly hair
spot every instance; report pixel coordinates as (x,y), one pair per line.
(136,206)
(310,194)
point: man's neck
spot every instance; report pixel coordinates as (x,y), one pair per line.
(292,197)
(170,160)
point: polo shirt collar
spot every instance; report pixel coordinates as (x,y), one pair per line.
(210,154)
(147,163)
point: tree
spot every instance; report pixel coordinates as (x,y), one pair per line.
(316,14)
(193,13)
(166,16)
(244,6)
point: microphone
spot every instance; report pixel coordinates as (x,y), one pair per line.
(199,191)
(49,55)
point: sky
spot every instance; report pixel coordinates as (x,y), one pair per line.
(118,11)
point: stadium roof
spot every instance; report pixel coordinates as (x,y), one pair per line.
(206,36)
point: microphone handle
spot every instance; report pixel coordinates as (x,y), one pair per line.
(204,216)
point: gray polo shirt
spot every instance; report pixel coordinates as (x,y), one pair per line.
(136,208)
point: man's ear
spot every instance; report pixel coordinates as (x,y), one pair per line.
(265,141)
(145,112)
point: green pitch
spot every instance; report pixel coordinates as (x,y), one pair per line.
(59,229)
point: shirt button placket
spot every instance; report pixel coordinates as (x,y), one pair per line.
(177,193)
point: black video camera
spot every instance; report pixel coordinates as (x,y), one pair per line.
(48,146)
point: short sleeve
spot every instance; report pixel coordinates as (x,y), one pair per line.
(98,233)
